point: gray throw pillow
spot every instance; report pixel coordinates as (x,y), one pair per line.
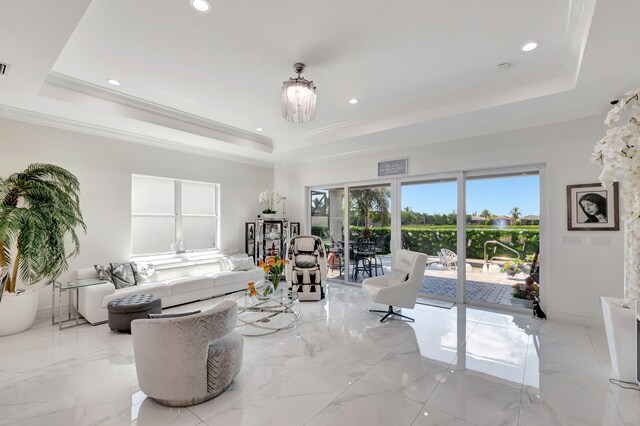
(144,272)
(172,315)
(104,272)
(123,274)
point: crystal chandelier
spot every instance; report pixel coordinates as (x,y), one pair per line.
(298,98)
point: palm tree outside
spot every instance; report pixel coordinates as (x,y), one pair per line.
(515,213)
(369,201)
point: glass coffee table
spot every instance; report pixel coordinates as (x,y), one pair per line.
(263,317)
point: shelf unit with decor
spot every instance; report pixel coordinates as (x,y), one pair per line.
(270,238)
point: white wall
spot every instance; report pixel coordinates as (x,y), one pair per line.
(578,274)
(104,167)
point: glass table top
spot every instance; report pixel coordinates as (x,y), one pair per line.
(79,283)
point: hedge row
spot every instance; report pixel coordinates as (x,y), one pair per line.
(430,241)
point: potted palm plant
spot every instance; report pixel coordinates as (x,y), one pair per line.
(39,209)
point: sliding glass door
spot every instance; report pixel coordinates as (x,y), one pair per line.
(503,238)
(428,222)
(327,212)
(369,231)
(479,230)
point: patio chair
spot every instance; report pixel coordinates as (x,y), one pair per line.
(364,253)
(447,258)
(379,249)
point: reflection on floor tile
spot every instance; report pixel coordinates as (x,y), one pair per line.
(340,365)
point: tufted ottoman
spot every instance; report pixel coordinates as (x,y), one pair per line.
(125,309)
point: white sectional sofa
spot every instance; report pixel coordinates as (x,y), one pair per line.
(186,282)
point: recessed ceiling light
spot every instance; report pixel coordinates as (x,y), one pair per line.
(530,46)
(113,82)
(259,129)
(201,5)
(353,101)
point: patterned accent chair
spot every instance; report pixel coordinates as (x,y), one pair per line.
(186,360)
(307,267)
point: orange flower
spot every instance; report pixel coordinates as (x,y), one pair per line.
(267,268)
(252,289)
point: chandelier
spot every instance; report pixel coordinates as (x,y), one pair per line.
(298,98)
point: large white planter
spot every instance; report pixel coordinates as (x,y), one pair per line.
(620,325)
(17,311)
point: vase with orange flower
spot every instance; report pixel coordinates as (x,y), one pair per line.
(273,268)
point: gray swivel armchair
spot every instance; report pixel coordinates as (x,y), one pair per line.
(187,360)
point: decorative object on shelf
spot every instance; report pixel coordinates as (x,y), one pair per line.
(178,246)
(271,236)
(298,97)
(270,200)
(592,207)
(295,229)
(249,238)
(274,268)
(618,154)
(39,211)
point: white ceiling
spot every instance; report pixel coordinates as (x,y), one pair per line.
(424,71)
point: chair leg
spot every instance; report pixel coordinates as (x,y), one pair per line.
(390,312)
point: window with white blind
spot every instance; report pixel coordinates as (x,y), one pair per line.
(173,215)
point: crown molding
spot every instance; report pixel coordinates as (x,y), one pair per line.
(69,89)
(42,119)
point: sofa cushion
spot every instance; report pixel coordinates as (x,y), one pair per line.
(159,289)
(237,277)
(104,272)
(242,263)
(145,272)
(84,273)
(123,274)
(189,284)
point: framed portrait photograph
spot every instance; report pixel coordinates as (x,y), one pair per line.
(295,229)
(592,207)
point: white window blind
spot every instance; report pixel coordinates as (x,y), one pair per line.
(165,211)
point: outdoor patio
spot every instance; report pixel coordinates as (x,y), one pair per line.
(481,287)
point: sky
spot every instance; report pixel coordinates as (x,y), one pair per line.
(498,195)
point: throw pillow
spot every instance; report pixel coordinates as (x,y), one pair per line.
(144,272)
(123,274)
(397,277)
(225,263)
(241,263)
(172,315)
(104,272)
(305,261)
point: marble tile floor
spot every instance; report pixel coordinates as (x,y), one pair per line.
(339,366)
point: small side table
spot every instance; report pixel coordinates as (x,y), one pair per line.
(62,287)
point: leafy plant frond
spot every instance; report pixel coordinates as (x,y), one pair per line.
(39,208)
